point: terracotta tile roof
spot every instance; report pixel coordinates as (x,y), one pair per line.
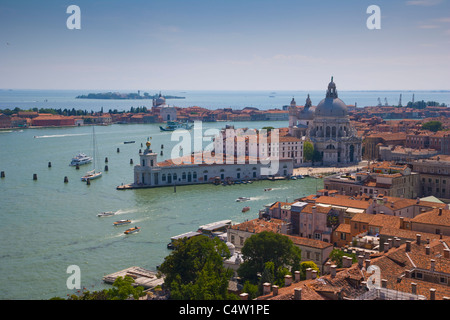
(313,243)
(259,225)
(340,201)
(438,216)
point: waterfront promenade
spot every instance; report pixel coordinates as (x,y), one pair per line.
(327,169)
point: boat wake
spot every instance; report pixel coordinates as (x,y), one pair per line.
(61,135)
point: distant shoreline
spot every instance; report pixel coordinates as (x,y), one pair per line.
(123,96)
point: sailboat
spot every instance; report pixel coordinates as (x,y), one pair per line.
(93,174)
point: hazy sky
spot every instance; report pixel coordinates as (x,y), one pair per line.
(225,45)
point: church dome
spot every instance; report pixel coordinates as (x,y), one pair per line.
(331,106)
(160,100)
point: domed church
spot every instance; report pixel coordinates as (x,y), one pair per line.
(328,127)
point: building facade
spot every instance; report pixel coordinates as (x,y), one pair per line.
(328,127)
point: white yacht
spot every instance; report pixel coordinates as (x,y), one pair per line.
(80,159)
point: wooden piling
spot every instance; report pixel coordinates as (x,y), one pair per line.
(131,161)
(118,150)
(2,174)
(34,176)
(88,181)
(66,179)
(106,160)
(49,164)
(106,168)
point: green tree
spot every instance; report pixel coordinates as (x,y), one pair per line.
(337,254)
(305,265)
(195,270)
(308,150)
(267,247)
(432,126)
(122,289)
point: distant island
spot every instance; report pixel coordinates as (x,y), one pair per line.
(123,96)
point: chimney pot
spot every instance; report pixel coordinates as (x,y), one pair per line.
(418,238)
(427,250)
(367,263)
(383,283)
(413,288)
(266,288)
(287,280)
(298,294)
(333,270)
(244,296)
(432,264)
(408,246)
(432,294)
(440,211)
(275,290)
(297,276)
(308,274)
(314,274)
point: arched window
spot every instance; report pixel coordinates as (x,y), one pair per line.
(163,177)
(327,134)
(183,176)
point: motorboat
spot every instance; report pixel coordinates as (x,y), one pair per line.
(241,199)
(127,142)
(174,125)
(122,222)
(267,189)
(106,214)
(80,159)
(132,230)
(245,209)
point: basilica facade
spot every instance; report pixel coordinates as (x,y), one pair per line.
(328,127)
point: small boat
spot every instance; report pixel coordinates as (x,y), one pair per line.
(126,142)
(91,175)
(267,189)
(132,230)
(80,159)
(293,178)
(174,125)
(245,209)
(300,177)
(122,222)
(240,199)
(106,214)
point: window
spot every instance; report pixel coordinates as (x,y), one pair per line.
(163,178)
(343,236)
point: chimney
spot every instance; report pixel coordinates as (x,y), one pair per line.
(366,255)
(447,253)
(418,238)
(333,271)
(397,242)
(314,274)
(432,264)
(298,294)
(413,288)
(440,211)
(244,296)
(408,246)
(418,200)
(386,247)
(391,242)
(432,294)
(308,274)
(287,280)
(383,283)
(297,276)
(275,290)
(314,210)
(327,267)
(427,250)
(367,263)
(360,261)
(266,288)
(402,223)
